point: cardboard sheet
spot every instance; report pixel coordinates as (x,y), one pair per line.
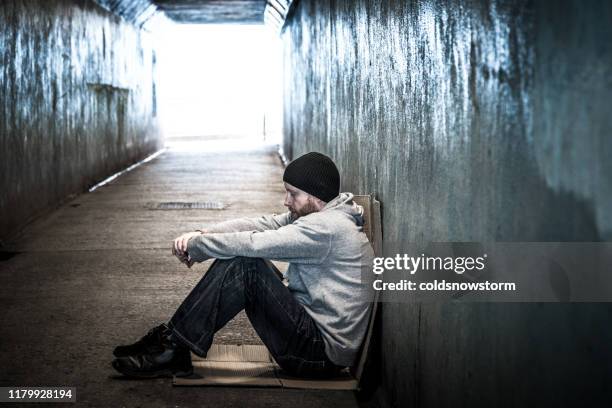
(252,366)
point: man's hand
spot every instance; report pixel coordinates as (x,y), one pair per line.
(179,247)
(180,243)
(183,257)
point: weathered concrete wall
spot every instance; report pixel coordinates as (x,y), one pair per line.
(471,121)
(76,102)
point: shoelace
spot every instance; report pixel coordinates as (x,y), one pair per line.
(155,336)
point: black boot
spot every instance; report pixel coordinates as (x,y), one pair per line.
(150,343)
(173,360)
(155,355)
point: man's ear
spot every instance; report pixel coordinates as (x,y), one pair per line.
(318,202)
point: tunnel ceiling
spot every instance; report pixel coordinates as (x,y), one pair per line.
(213,11)
(198,11)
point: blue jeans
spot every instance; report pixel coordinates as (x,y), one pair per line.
(281,322)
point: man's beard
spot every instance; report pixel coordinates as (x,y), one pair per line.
(308,208)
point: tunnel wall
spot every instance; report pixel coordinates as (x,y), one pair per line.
(76,102)
(471,121)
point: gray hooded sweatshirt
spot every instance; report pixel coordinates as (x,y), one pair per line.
(327,251)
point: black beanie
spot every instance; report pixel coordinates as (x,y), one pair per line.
(315,174)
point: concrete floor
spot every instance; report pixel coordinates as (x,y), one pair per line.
(98,272)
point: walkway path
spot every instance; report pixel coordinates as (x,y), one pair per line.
(98,272)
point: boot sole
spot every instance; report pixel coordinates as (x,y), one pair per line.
(120,354)
(163,373)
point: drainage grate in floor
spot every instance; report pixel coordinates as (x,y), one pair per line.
(206,205)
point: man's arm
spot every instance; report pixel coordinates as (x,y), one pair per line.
(263,223)
(303,242)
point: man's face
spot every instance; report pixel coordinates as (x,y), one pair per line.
(298,202)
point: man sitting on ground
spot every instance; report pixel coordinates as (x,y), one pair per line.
(314,326)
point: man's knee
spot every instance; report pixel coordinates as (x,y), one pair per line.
(243,264)
(257,269)
(250,265)
(233,265)
(234,260)
(247,259)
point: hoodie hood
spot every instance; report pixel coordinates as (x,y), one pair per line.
(344,202)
